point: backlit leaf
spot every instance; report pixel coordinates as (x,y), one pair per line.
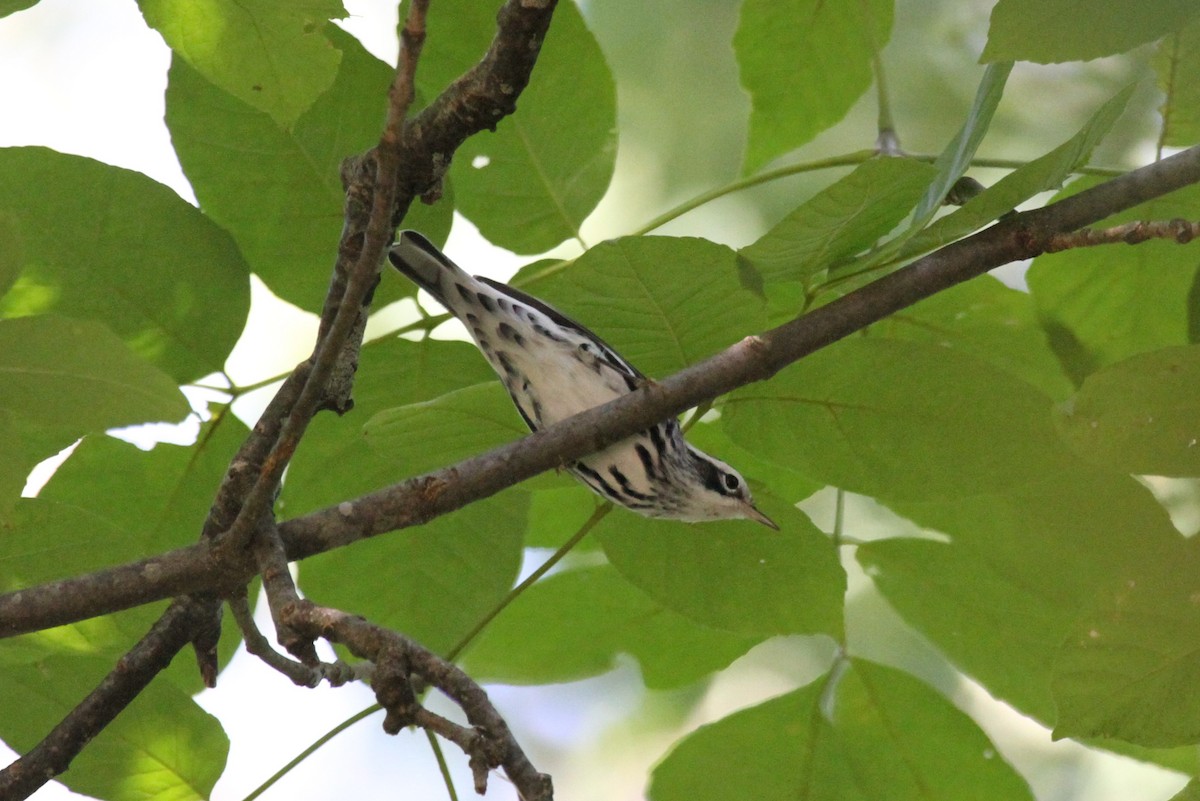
(270,55)
(842,738)
(828,47)
(151,267)
(574,624)
(76,376)
(1051,31)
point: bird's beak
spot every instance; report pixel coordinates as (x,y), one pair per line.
(759,517)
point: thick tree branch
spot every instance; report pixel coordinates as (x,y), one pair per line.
(420,499)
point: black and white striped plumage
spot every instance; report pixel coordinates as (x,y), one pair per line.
(554,368)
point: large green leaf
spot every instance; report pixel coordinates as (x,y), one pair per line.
(733,575)
(277,191)
(434,582)
(11,256)
(1141,415)
(829,47)
(662,302)
(269,55)
(1041,174)
(989,321)
(76,377)
(15,466)
(573,625)
(531,184)
(1001,579)
(1050,31)
(164,746)
(1128,667)
(138,258)
(843,219)
(895,419)
(1102,305)
(12,6)
(868,733)
(1175,62)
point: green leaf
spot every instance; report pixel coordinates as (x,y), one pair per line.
(391,372)
(164,746)
(1039,175)
(995,598)
(12,6)
(573,625)
(531,184)
(148,265)
(1176,59)
(15,466)
(953,162)
(110,503)
(662,302)
(1127,669)
(1102,305)
(786,582)
(462,423)
(75,377)
(794,98)
(279,192)
(985,319)
(271,56)
(1052,31)
(894,419)
(433,582)
(11,257)
(848,736)
(843,219)
(1139,416)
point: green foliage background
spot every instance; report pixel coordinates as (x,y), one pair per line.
(1004,430)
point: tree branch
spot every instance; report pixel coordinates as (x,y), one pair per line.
(1132,233)
(420,499)
(131,675)
(398,660)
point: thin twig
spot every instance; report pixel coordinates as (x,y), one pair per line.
(489,743)
(258,645)
(1132,233)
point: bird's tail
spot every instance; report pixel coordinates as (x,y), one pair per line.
(426,266)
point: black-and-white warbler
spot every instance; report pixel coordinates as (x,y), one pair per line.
(554,368)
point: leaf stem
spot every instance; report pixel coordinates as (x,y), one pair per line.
(529,581)
(303,755)
(436,747)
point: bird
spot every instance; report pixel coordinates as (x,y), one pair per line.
(553,368)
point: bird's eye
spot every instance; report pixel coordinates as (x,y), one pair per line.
(731,482)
